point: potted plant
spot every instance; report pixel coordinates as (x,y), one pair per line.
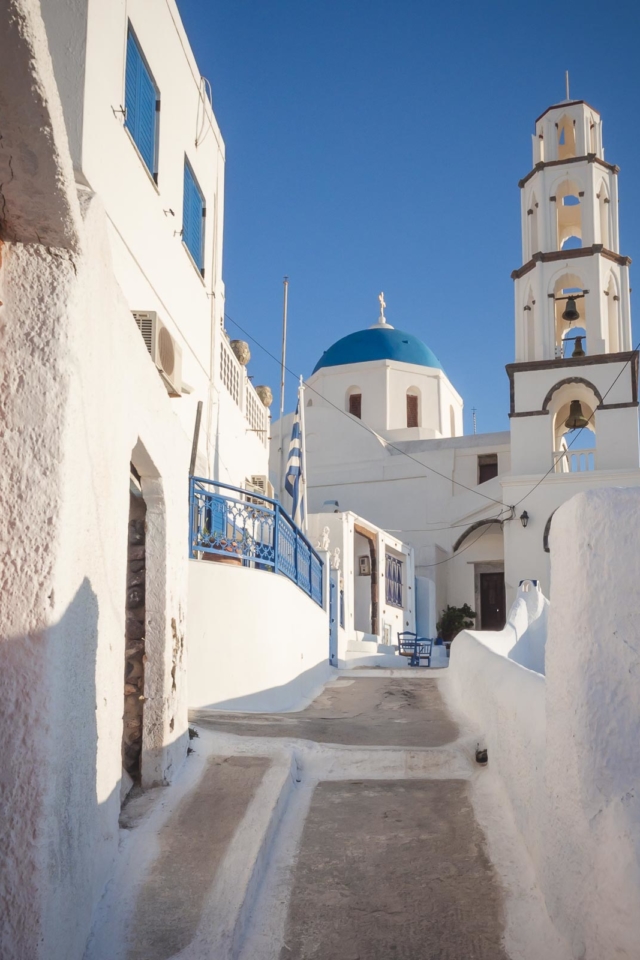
(453,620)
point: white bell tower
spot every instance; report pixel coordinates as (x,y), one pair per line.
(575,364)
(570,242)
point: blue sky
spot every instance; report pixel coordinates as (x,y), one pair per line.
(377,146)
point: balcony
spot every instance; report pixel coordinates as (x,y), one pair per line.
(234,378)
(235,526)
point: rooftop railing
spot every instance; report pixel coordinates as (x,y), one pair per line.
(574,461)
(244,528)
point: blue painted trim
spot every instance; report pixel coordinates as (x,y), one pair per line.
(240,524)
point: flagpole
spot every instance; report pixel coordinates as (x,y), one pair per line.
(282,385)
(303,447)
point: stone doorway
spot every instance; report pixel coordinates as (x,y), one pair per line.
(135,630)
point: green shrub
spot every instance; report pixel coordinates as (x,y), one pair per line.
(453,620)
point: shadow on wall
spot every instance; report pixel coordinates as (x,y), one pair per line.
(60,839)
(56,839)
(292,696)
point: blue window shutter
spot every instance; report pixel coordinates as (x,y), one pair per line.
(140,101)
(193,217)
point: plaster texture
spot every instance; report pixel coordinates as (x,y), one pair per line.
(81,402)
(256,640)
(564,747)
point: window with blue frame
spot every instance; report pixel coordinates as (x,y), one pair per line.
(142,105)
(393,576)
(193,214)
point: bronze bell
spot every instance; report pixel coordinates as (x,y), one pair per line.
(576,419)
(570,311)
(578,350)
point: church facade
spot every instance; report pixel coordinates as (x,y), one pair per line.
(384,433)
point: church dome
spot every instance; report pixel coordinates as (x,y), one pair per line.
(380,342)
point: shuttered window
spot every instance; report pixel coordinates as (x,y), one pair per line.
(193,214)
(355,405)
(412,410)
(393,576)
(142,105)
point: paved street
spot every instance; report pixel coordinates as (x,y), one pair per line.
(342,832)
(364,711)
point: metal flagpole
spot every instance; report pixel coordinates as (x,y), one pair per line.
(303,450)
(282,381)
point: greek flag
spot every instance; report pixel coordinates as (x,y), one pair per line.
(294,481)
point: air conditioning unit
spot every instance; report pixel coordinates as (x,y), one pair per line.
(258,483)
(164,349)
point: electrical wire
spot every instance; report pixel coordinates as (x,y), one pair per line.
(458,552)
(361,423)
(569,445)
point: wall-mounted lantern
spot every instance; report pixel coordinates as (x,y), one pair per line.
(524,518)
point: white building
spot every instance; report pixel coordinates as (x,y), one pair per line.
(111,174)
(384,423)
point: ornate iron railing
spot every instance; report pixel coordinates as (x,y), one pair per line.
(242,527)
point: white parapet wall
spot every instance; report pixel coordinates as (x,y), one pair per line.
(565,747)
(255,640)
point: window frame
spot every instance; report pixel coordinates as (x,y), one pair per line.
(487,460)
(153,171)
(394,585)
(355,399)
(203,218)
(413,400)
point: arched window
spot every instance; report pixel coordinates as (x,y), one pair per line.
(572,404)
(563,287)
(413,407)
(604,207)
(354,402)
(532,213)
(613,315)
(530,327)
(566,138)
(574,339)
(568,216)
(452,422)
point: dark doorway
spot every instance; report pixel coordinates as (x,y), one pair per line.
(134,633)
(492,601)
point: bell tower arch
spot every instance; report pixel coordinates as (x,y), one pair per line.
(569,212)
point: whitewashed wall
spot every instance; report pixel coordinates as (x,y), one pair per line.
(87,41)
(357,638)
(255,640)
(566,748)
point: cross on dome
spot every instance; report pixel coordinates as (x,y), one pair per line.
(382,320)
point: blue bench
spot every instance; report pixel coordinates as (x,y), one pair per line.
(415,647)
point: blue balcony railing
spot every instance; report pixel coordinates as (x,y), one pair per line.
(243,527)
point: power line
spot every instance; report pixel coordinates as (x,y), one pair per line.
(364,425)
(458,552)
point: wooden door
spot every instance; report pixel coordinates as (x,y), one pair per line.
(492,601)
